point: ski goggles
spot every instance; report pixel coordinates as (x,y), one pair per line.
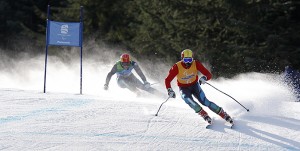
(187,60)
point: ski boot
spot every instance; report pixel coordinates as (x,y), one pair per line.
(205,116)
(225,116)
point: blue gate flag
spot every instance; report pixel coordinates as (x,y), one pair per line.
(64,34)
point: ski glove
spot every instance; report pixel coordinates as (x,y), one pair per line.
(171,93)
(146,85)
(105,86)
(202,80)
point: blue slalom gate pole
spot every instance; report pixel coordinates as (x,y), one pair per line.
(81,36)
(46,49)
(64,34)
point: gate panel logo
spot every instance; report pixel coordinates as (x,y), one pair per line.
(64,29)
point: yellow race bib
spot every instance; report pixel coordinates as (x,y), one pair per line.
(186,76)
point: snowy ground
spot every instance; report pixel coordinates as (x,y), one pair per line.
(118,120)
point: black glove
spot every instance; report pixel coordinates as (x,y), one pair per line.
(171,93)
(105,86)
(202,80)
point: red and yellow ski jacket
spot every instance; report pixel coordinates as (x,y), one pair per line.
(186,76)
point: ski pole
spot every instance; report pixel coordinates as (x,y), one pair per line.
(154,83)
(229,96)
(160,106)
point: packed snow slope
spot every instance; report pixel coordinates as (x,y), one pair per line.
(116,119)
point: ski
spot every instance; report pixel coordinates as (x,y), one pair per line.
(208,126)
(231,124)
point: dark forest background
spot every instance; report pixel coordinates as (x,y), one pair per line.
(233,36)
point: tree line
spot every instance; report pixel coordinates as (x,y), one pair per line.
(233,36)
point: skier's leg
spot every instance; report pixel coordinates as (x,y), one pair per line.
(188,99)
(199,94)
(186,95)
(126,83)
(155,92)
(140,85)
(134,84)
(121,82)
(205,116)
(134,81)
(225,116)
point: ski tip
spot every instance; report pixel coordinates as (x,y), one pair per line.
(208,126)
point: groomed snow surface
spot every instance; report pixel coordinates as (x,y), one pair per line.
(116,119)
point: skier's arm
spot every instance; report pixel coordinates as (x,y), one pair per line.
(172,73)
(203,70)
(139,71)
(110,74)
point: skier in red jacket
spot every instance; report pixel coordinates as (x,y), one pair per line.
(186,71)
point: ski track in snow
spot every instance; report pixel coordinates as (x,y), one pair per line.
(117,120)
